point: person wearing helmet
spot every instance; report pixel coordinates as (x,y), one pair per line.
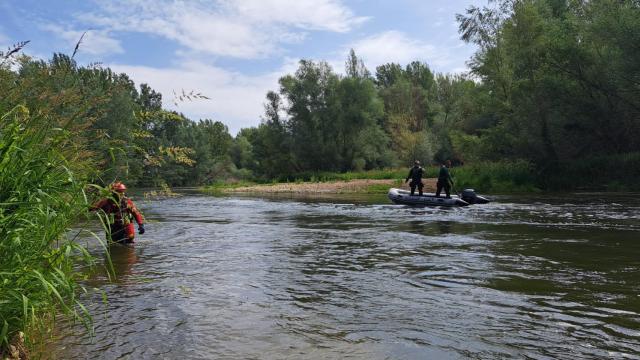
(120,212)
(415,174)
(444,180)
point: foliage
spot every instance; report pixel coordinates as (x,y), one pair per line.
(62,127)
(563,76)
(322,176)
(44,166)
(41,195)
(613,172)
(330,123)
(496,177)
(552,83)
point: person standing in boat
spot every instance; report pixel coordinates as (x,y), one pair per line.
(415,174)
(445,181)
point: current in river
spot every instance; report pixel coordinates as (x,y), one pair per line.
(539,277)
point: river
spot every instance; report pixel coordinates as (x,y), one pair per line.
(541,276)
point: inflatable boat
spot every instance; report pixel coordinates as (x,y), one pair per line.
(466,197)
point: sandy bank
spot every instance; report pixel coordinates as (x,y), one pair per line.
(334,187)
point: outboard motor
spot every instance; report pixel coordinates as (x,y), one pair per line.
(470,196)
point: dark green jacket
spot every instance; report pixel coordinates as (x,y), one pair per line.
(415,174)
(444,175)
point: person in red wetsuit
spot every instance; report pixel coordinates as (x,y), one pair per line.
(120,212)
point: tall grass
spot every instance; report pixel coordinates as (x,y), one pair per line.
(322,176)
(40,198)
(504,176)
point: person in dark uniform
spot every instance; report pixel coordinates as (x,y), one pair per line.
(415,174)
(444,180)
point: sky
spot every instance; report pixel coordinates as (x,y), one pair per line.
(235,51)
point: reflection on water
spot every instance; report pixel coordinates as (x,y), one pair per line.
(544,277)
(123,258)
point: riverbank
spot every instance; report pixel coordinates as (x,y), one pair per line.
(355,186)
(504,177)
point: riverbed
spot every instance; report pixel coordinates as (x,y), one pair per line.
(242,277)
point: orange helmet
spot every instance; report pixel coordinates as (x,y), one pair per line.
(118,186)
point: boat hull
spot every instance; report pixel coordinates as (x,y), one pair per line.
(404,197)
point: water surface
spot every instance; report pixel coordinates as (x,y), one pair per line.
(538,277)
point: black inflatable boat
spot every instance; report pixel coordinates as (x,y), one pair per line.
(466,197)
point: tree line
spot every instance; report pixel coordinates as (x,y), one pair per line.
(554,83)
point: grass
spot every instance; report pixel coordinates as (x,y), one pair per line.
(504,177)
(380,188)
(496,177)
(40,198)
(312,177)
(220,186)
(322,176)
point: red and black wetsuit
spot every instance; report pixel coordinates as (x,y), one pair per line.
(120,217)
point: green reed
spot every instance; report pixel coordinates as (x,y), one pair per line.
(40,199)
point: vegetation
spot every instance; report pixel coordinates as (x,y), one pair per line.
(505,176)
(563,78)
(41,195)
(554,84)
(350,175)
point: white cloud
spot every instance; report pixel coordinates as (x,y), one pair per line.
(397,47)
(394,46)
(95,42)
(243,29)
(328,15)
(236,99)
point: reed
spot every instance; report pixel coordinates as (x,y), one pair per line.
(41,196)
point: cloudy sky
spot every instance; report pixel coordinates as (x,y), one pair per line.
(235,51)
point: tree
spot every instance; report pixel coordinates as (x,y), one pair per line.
(354,67)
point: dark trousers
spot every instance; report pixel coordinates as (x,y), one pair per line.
(414,184)
(443,184)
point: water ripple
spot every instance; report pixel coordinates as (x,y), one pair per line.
(539,278)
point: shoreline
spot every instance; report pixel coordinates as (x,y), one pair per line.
(355,186)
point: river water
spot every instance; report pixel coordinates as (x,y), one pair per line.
(540,277)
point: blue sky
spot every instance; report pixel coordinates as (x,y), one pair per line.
(235,51)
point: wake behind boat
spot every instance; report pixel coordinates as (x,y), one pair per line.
(468,196)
